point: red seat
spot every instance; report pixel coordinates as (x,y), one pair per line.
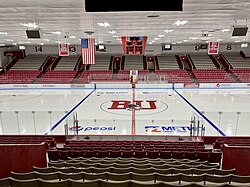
(165,154)
(153,154)
(140,154)
(215,157)
(127,154)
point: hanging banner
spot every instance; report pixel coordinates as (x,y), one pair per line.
(213,48)
(63,49)
(135,45)
(63,44)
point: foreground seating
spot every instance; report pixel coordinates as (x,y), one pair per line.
(128,179)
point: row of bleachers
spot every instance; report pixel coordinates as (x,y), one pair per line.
(126,180)
(133,62)
(167,61)
(120,160)
(213,76)
(136,149)
(214,157)
(102,62)
(171,76)
(58,77)
(30,62)
(230,141)
(236,60)
(124,146)
(133,143)
(95,75)
(174,76)
(27,140)
(242,74)
(202,61)
(166,165)
(123,75)
(19,76)
(170,171)
(67,63)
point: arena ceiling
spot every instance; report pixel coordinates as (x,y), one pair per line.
(199,21)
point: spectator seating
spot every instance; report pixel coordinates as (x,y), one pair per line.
(58,77)
(135,149)
(123,75)
(218,144)
(30,62)
(174,76)
(202,61)
(19,76)
(242,74)
(67,63)
(212,76)
(167,61)
(133,62)
(95,76)
(235,59)
(86,173)
(50,141)
(102,62)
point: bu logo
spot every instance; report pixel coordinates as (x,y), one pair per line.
(124,104)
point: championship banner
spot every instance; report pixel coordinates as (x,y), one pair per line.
(213,48)
(63,49)
(63,45)
(135,45)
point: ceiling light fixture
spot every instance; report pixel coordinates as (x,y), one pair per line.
(9,40)
(111,32)
(56,32)
(161,35)
(194,38)
(225,30)
(31,25)
(105,24)
(169,30)
(180,23)
(3,33)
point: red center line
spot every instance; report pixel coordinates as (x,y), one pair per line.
(133,112)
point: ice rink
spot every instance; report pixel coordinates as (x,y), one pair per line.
(157,111)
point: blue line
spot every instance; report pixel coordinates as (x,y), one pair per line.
(63,118)
(202,115)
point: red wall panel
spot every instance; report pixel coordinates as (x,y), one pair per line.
(236,157)
(21,158)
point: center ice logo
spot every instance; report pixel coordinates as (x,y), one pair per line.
(163,128)
(124,104)
(144,107)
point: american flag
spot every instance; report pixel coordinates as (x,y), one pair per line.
(88,51)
